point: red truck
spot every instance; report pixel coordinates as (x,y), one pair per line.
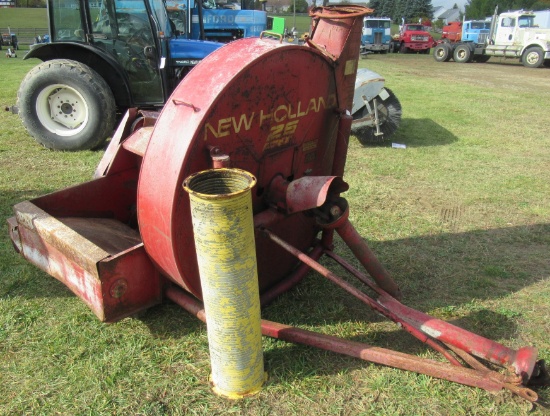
(412,37)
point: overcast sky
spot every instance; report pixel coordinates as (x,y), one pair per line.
(448,4)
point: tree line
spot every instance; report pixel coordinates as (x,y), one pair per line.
(480,9)
(413,10)
(410,10)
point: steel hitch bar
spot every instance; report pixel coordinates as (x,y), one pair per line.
(478,376)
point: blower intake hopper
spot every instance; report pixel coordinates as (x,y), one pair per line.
(124,241)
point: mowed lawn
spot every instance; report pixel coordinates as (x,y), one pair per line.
(460,217)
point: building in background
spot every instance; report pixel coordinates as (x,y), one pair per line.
(7,3)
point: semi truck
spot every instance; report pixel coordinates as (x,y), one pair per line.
(376,34)
(467,31)
(511,35)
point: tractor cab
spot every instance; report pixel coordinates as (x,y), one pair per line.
(137,37)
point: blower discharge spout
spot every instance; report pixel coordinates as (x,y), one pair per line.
(337,33)
(221,211)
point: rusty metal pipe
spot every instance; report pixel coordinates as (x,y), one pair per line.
(364,254)
(523,360)
(362,297)
(487,380)
(292,280)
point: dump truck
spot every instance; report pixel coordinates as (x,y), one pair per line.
(511,35)
(412,37)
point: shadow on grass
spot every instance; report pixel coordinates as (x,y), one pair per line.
(422,132)
(440,274)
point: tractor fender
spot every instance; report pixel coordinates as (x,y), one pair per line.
(368,84)
(101,62)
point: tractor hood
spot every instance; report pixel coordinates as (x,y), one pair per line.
(186,52)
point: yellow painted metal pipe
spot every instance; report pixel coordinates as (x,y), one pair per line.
(221,211)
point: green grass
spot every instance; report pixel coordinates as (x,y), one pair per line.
(23,17)
(460,217)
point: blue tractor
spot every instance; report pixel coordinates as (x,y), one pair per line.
(110,55)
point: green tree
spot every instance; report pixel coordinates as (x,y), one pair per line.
(301,6)
(387,9)
(479,9)
(376,6)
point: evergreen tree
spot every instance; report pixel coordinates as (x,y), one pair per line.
(388,9)
(376,6)
(480,9)
(425,9)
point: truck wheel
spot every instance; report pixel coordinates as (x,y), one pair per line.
(533,57)
(462,54)
(389,114)
(403,48)
(66,105)
(442,52)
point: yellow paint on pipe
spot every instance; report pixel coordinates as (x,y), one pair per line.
(221,211)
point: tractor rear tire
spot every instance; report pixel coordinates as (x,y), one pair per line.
(533,57)
(389,113)
(66,105)
(443,52)
(462,54)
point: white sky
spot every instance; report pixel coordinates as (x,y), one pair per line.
(448,4)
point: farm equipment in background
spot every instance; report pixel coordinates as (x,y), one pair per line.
(376,35)
(124,241)
(10,53)
(511,35)
(123,54)
(276,24)
(10,40)
(104,57)
(376,111)
(412,37)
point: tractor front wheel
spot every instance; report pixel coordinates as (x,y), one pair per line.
(66,105)
(389,117)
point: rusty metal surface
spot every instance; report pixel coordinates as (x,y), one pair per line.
(138,141)
(280,112)
(485,379)
(83,237)
(267,123)
(522,360)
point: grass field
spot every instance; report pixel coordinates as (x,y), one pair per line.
(461,218)
(20,17)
